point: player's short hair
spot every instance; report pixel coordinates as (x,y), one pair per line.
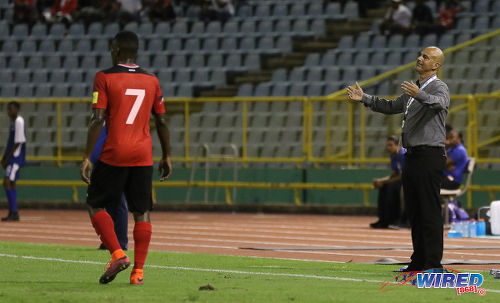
(394,139)
(15,104)
(128,42)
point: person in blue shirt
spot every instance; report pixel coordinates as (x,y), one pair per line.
(389,194)
(119,214)
(456,161)
(13,158)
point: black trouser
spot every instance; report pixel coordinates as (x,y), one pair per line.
(422,175)
(389,202)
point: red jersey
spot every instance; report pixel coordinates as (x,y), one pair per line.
(128,94)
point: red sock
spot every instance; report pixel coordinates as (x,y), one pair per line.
(142,236)
(105,229)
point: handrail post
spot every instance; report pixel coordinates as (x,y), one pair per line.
(362,123)
(186,132)
(350,132)
(59,134)
(244,129)
(328,135)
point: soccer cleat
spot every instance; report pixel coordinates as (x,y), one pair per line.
(114,268)
(136,277)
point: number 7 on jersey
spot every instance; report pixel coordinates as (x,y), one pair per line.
(139,93)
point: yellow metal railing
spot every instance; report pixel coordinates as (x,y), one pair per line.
(347,156)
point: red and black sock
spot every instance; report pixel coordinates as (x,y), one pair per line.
(105,229)
(142,237)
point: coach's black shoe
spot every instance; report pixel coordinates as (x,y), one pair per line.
(12,216)
(102,247)
(379,224)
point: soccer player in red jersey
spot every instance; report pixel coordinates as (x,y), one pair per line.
(124,96)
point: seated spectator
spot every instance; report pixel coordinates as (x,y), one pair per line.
(161,10)
(389,194)
(25,11)
(61,11)
(130,11)
(422,20)
(448,13)
(216,10)
(397,19)
(456,161)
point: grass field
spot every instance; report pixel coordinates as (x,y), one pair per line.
(55,273)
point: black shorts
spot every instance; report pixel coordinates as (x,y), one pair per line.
(107,183)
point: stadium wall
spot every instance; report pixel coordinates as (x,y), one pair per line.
(243,196)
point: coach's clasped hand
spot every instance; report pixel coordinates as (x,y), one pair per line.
(410,88)
(355,93)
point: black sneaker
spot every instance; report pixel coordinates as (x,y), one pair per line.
(12,216)
(379,224)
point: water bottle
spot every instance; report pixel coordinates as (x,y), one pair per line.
(472,229)
(454,231)
(464,229)
(480,228)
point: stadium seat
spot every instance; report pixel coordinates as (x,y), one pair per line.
(9,47)
(229,44)
(210,45)
(178,61)
(180,27)
(94,30)
(351,10)
(78,90)
(252,62)
(185,90)
(230,27)
(247,43)
(43,90)
(35,62)
(245,90)
(174,45)
(38,31)
(395,41)
(60,90)
(215,60)
(22,76)
(76,30)
(25,90)
(16,61)
(111,29)
(19,31)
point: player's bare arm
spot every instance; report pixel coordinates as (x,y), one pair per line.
(95,127)
(5,160)
(163,134)
(355,93)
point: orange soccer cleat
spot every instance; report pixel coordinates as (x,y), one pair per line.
(136,277)
(114,267)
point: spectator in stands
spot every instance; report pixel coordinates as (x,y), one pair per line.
(448,13)
(61,11)
(422,21)
(161,10)
(220,10)
(389,194)
(25,11)
(456,161)
(130,11)
(397,19)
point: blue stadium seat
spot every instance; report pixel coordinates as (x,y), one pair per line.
(314,74)
(210,44)
(262,11)
(244,11)
(233,61)
(446,41)
(346,41)
(9,47)
(262,90)
(318,27)
(296,75)
(282,26)
(351,10)
(349,73)
(53,62)
(3,61)
(178,61)
(22,76)
(228,44)
(213,28)
(143,61)
(65,46)
(192,45)
(412,41)
(312,59)
(332,74)
(111,29)
(284,44)
(76,30)
(6,76)
(298,9)
(174,44)
(83,46)
(197,28)
(35,62)
(315,89)
(215,60)
(40,76)
(230,27)
(481,6)
(28,47)
(25,90)
(57,31)
(47,47)
(8,90)
(94,30)
(19,32)
(345,58)
(38,31)
(333,9)
(482,22)
(101,46)
(185,90)
(155,45)
(43,90)
(430,39)
(105,62)
(218,76)
(60,90)
(297,89)
(367,72)
(279,75)
(247,26)
(245,90)
(379,41)
(145,29)
(315,9)
(252,62)
(394,58)
(378,58)
(4,29)
(279,89)
(131,26)
(180,28)
(162,28)
(78,90)
(197,61)
(75,76)
(58,76)
(165,75)
(328,59)
(266,43)
(71,61)
(362,42)
(362,58)
(280,10)
(464,23)
(16,61)
(395,41)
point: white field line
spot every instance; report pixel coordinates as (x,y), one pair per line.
(234,242)
(215,270)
